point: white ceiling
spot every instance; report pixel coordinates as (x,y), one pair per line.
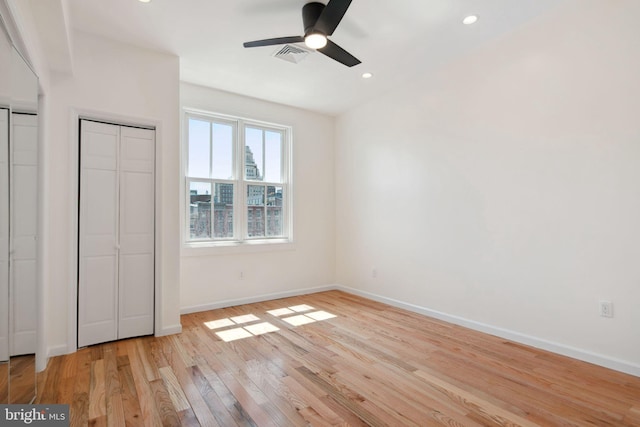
(395,40)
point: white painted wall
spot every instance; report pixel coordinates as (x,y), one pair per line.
(109,80)
(209,280)
(505,189)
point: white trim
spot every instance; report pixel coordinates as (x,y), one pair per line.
(169,330)
(56,350)
(53,351)
(43,224)
(42,362)
(258,298)
(227,248)
(563,349)
(74,119)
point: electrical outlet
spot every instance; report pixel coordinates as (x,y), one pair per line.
(374,273)
(606,309)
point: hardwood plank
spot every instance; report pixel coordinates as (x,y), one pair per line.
(284,404)
(97,405)
(372,364)
(346,398)
(188,418)
(79,406)
(130,400)
(176,394)
(485,409)
(164,404)
(211,399)
(312,408)
(139,370)
(231,404)
(100,421)
(143,349)
(112,388)
(69,369)
(190,391)
(47,393)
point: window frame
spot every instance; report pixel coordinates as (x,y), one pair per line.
(241,184)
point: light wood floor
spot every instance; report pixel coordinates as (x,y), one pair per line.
(370,365)
(22,378)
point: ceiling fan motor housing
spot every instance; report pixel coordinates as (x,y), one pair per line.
(319,22)
(310,14)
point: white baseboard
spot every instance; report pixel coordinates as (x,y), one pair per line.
(169,330)
(57,350)
(565,350)
(258,298)
(41,363)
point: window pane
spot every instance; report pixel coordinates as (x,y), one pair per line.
(274,211)
(222,151)
(199,148)
(223,211)
(273,157)
(255,210)
(200,210)
(253,154)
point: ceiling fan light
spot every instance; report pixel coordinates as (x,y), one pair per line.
(315,40)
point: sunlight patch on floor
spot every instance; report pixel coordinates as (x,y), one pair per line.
(302,318)
(320,315)
(280,312)
(245,319)
(233,334)
(244,326)
(301,308)
(298,320)
(217,324)
(261,328)
(241,332)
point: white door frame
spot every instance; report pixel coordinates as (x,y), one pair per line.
(116,119)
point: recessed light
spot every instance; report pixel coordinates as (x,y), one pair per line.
(471,19)
(367,75)
(144,1)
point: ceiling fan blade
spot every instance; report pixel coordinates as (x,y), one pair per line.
(334,51)
(272,42)
(331,16)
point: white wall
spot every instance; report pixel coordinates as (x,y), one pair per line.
(109,80)
(505,190)
(211,280)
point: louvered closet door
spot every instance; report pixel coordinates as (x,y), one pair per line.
(116,243)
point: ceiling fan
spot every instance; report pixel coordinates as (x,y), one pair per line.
(319,22)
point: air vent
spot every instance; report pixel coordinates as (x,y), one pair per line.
(291,53)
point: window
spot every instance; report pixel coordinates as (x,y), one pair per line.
(237,180)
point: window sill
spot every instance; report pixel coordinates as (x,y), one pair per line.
(228,248)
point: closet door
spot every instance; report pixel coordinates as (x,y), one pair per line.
(136,258)
(117,229)
(98,233)
(24,225)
